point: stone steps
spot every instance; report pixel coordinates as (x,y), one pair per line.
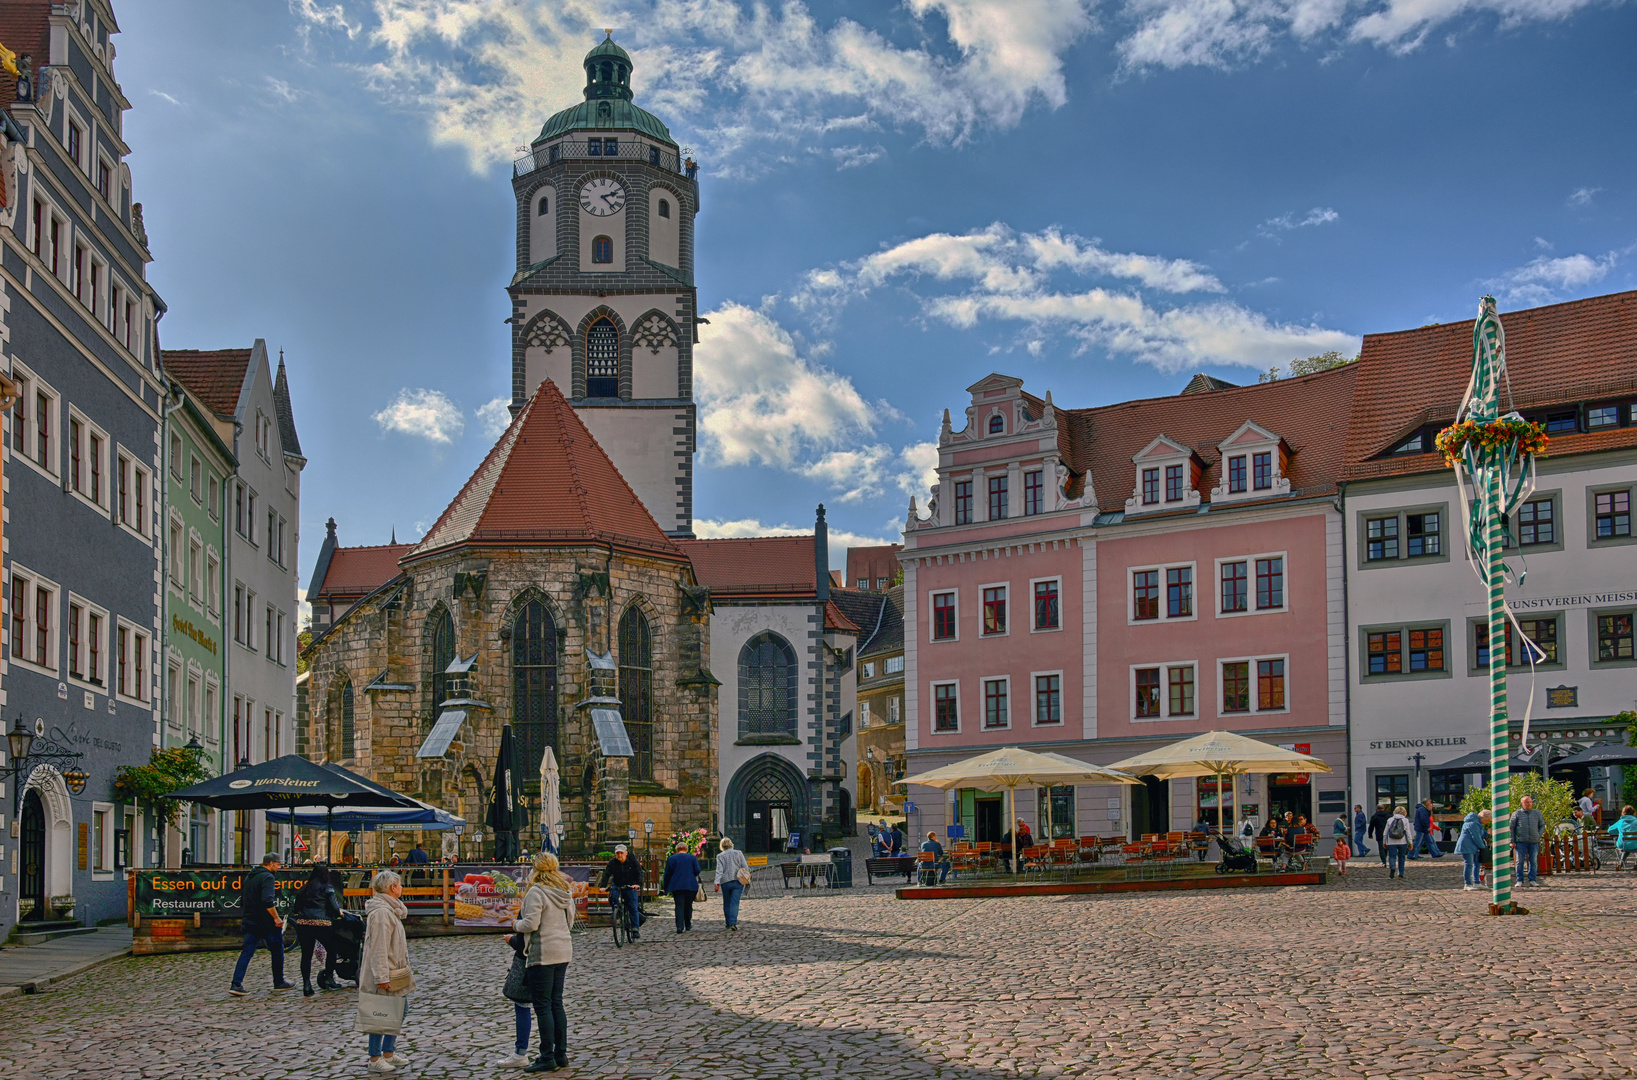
(38,933)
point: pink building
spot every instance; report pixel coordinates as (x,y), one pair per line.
(1101,581)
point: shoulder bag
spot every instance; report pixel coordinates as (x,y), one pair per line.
(379,1014)
(743,875)
(517,979)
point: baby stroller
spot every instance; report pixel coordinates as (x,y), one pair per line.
(1236,854)
(347,943)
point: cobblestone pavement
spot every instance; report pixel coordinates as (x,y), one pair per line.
(1366,978)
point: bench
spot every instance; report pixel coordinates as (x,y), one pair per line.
(808,871)
(890,866)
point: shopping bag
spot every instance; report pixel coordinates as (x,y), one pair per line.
(379,1014)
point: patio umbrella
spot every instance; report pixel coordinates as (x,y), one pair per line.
(1219,754)
(1601,754)
(503,806)
(288,782)
(1010,768)
(551,806)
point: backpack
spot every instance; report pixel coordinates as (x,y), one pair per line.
(1395,830)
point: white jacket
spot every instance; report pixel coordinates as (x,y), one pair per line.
(1387,831)
(385,946)
(546,917)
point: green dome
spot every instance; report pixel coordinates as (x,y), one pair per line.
(607,104)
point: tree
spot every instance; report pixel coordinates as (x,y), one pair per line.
(1628,783)
(1553,798)
(304,642)
(1322,362)
(147,785)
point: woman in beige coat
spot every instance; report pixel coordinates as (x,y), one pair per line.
(545,919)
(386,952)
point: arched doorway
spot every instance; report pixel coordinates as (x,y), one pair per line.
(766,801)
(31,880)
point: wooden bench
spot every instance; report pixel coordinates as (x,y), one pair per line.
(809,870)
(890,866)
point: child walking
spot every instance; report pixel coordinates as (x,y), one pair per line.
(1340,854)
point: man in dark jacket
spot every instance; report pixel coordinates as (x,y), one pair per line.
(1424,833)
(261,923)
(625,874)
(1378,822)
(418,856)
(895,840)
(1360,823)
(1025,839)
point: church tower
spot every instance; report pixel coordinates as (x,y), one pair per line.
(603,301)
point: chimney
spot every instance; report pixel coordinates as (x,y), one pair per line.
(821,555)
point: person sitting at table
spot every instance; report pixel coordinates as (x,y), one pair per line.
(1273,828)
(940,861)
(1202,826)
(1025,840)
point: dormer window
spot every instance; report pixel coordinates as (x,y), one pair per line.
(997,425)
(1173,483)
(1150,486)
(1236,474)
(1262,464)
(1415,444)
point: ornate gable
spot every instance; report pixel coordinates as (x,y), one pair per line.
(1167,478)
(1254,465)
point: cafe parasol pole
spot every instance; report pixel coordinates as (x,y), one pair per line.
(1495,455)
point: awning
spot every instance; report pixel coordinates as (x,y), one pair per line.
(443,733)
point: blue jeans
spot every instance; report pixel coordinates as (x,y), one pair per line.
(1358,843)
(253,940)
(525,1017)
(1528,862)
(385,1044)
(1430,839)
(632,899)
(1472,868)
(732,892)
(1395,856)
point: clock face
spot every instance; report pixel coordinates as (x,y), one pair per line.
(602,197)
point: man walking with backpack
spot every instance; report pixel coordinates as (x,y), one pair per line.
(261,923)
(1528,827)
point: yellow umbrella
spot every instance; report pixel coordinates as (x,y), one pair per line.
(1219,754)
(1010,768)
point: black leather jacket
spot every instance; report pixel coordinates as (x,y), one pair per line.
(316,902)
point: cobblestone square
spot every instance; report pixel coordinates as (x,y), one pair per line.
(1364,978)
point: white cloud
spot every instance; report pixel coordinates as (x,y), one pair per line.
(994,274)
(854,157)
(162,96)
(840,539)
(494,417)
(490,71)
(920,470)
(1287,221)
(1583,196)
(284,91)
(425,414)
(1232,33)
(1544,280)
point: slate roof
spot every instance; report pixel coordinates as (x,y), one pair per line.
(754,565)
(1203,383)
(359,571)
(547,481)
(1583,350)
(286,416)
(888,633)
(1308,412)
(215,376)
(860,608)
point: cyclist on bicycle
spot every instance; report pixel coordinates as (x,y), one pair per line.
(625,874)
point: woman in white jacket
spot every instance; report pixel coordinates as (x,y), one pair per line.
(1395,840)
(545,919)
(729,882)
(385,956)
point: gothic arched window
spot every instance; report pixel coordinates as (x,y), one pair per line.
(664,208)
(997,425)
(545,206)
(602,250)
(534,685)
(348,727)
(602,360)
(442,642)
(767,687)
(637,690)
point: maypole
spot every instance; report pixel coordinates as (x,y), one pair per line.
(1494,455)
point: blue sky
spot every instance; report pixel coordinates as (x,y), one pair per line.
(897,198)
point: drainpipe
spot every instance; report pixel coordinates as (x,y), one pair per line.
(1346,654)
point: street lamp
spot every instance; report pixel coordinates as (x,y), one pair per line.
(648,836)
(20,744)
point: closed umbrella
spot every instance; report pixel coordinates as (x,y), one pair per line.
(1219,754)
(551,806)
(502,807)
(1010,768)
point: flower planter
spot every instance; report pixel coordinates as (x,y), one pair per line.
(62,906)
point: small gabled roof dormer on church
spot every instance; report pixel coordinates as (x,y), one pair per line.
(1168,473)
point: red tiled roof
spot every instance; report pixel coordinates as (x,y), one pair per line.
(359,571)
(1579,351)
(24,28)
(880,561)
(215,376)
(547,481)
(1308,412)
(763,565)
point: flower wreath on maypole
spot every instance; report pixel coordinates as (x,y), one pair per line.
(1494,461)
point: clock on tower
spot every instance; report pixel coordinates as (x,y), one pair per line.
(603,300)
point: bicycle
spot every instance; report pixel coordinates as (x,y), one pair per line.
(620,917)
